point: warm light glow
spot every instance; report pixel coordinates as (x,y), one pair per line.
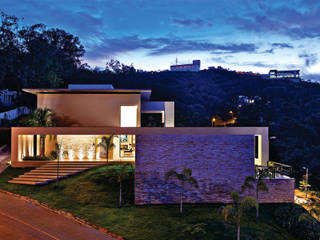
(71,154)
(61,153)
(91,152)
(128,116)
(80,153)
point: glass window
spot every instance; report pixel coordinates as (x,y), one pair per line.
(128,117)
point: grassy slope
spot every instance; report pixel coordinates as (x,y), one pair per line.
(92,197)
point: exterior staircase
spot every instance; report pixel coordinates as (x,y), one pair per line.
(48,173)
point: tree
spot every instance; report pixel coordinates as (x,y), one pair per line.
(107,144)
(41,118)
(119,175)
(10,52)
(184,177)
(50,56)
(259,185)
(237,209)
(312,223)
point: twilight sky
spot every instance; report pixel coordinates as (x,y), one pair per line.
(245,35)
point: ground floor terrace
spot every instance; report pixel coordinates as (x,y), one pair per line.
(220,158)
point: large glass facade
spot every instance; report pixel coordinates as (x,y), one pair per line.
(76,147)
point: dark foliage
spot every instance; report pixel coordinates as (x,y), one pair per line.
(289,217)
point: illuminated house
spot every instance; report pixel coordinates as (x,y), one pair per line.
(293,75)
(96,106)
(193,67)
(220,158)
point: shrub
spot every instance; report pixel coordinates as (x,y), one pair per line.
(289,216)
(37,158)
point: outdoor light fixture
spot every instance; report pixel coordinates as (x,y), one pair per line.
(213,120)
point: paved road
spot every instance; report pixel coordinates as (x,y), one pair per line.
(23,220)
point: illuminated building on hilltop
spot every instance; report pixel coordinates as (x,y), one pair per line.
(192,67)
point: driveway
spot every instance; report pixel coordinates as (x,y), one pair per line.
(20,219)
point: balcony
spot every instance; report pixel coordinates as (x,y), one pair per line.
(274,170)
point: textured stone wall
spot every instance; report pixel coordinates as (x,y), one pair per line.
(280,190)
(220,163)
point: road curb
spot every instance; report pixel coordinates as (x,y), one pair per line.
(63,213)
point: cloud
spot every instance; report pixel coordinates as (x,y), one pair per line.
(281,45)
(162,46)
(313,77)
(221,59)
(193,23)
(270,51)
(293,21)
(309,59)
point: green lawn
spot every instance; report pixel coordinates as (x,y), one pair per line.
(93,197)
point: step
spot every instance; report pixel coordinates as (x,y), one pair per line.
(62,168)
(49,174)
(28,182)
(32,179)
(54,170)
(78,163)
(66,166)
(39,176)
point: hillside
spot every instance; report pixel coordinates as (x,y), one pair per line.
(94,197)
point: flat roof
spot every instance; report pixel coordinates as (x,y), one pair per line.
(145,93)
(141,130)
(68,90)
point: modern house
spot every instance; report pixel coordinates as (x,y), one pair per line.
(220,158)
(291,75)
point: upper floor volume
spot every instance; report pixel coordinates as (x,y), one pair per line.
(101,105)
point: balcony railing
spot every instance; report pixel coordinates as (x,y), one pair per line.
(273,170)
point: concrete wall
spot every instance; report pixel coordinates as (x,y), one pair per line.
(220,163)
(89,110)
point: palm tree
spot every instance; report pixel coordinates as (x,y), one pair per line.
(237,209)
(184,177)
(41,118)
(107,144)
(118,176)
(259,185)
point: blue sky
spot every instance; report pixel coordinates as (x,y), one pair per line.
(245,35)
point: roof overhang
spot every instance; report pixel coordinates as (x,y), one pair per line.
(145,93)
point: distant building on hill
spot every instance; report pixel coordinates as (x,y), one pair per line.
(7,98)
(293,75)
(192,67)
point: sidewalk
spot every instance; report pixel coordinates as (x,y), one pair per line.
(20,219)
